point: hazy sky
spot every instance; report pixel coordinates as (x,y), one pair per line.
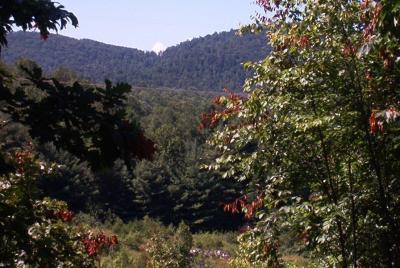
(146,24)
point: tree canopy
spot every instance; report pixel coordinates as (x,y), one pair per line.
(212,62)
(316,138)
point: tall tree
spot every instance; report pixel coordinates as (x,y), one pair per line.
(316,141)
(89,122)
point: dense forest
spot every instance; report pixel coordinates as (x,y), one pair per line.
(212,62)
(301,169)
(129,153)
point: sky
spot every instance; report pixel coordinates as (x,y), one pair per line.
(155,24)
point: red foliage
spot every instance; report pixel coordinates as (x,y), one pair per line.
(376,120)
(373,123)
(208,120)
(240,204)
(217,101)
(21,157)
(114,240)
(301,42)
(232,95)
(136,143)
(211,119)
(90,246)
(349,50)
(371,26)
(268,5)
(95,243)
(65,215)
(265,4)
(386,57)
(364,4)
(305,236)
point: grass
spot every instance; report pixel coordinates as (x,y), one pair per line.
(134,235)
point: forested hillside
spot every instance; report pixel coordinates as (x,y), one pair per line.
(131,152)
(117,152)
(207,63)
(302,167)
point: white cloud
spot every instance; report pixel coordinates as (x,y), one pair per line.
(159,47)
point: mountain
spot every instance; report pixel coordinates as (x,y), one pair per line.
(212,62)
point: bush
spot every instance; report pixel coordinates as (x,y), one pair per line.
(166,251)
(36,232)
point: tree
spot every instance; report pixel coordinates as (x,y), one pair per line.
(74,181)
(29,225)
(36,231)
(87,133)
(116,193)
(44,15)
(316,138)
(86,121)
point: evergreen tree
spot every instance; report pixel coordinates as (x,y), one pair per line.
(74,181)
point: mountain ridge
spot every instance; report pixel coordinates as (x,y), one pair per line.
(211,62)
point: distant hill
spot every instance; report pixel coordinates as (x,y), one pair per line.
(207,63)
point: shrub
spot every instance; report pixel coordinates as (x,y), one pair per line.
(36,232)
(166,251)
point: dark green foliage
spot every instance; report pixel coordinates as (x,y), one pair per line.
(174,187)
(87,121)
(85,133)
(44,15)
(73,182)
(208,63)
(89,134)
(32,232)
(116,190)
(151,190)
(199,196)
(13,135)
